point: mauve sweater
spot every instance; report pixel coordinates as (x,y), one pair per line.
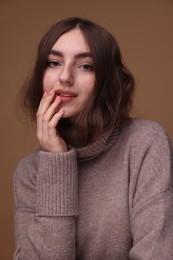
(111,200)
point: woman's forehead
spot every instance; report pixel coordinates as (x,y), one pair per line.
(72,40)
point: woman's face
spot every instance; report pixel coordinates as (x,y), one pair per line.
(70,72)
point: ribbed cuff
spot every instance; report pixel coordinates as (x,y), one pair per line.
(57,184)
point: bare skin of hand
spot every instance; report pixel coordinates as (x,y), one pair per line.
(48,116)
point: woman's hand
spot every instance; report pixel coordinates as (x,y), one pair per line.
(48,116)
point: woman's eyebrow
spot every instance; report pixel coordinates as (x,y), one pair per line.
(83,55)
(77,56)
(56,53)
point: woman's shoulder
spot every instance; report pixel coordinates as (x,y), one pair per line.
(143,126)
(27,164)
(142,131)
(29,158)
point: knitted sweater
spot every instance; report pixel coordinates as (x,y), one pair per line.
(111,200)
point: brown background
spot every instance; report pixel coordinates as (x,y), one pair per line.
(144,30)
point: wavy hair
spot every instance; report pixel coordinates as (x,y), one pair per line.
(112,97)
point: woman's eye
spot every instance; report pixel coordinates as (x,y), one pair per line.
(87,67)
(53,64)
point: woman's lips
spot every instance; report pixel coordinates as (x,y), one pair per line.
(66,96)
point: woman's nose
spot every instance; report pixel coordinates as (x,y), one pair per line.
(66,76)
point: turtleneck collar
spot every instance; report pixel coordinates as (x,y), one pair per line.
(104,142)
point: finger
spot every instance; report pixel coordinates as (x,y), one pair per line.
(45,102)
(52,110)
(44,105)
(55,119)
(52,132)
(51,141)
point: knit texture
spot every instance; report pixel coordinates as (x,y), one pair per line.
(57,186)
(112,199)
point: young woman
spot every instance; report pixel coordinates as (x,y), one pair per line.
(100,187)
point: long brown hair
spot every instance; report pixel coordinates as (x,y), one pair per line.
(113,93)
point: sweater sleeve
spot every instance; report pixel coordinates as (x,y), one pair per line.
(152,199)
(46,206)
